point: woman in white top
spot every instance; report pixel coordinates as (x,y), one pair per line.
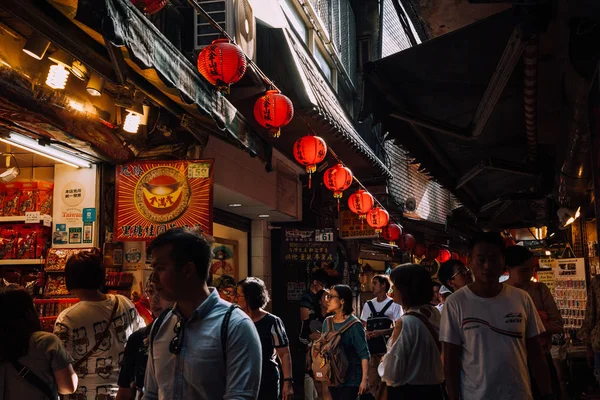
(412,367)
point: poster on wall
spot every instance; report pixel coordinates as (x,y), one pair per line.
(74,193)
(155,196)
(302,245)
(571,268)
(224,258)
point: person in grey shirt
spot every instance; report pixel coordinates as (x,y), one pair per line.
(187,359)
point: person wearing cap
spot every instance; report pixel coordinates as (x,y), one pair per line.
(443,295)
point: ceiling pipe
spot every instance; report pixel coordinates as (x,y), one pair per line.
(531,58)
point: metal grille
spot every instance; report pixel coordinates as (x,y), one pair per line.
(323,9)
(204,33)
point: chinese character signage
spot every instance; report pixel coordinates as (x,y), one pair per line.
(155,196)
(351,227)
(300,246)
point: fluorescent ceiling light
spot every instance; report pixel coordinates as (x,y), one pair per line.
(570,221)
(235,205)
(264,216)
(578,212)
(50,152)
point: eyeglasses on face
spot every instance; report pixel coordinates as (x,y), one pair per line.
(177,341)
(228,292)
(462,271)
(331,296)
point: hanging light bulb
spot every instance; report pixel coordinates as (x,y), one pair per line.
(132,122)
(57,77)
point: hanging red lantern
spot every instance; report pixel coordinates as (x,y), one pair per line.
(406,242)
(222,64)
(454,256)
(391,232)
(309,151)
(337,179)
(420,250)
(360,202)
(149,6)
(378,218)
(433,252)
(444,256)
(273,111)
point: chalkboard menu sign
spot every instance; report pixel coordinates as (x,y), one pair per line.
(302,245)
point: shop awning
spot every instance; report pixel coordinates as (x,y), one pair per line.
(147,53)
(433,100)
(299,77)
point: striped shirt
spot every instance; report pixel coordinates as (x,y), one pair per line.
(272,336)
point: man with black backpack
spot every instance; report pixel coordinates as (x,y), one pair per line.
(378,317)
(203,348)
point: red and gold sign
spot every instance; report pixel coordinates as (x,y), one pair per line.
(154,196)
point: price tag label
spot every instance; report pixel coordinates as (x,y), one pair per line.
(47,220)
(32,217)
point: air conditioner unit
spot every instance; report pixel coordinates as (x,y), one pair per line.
(235,16)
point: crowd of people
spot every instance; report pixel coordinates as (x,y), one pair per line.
(467,337)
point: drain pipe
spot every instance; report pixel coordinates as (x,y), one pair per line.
(530,58)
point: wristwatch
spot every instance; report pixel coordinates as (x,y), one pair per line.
(291,380)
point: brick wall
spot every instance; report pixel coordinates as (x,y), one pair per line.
(434,202)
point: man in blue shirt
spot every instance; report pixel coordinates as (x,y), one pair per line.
(197,351)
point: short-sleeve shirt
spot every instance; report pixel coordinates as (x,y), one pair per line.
(46,354)
(79,326)
(492,333)
(394,311)
(272,336)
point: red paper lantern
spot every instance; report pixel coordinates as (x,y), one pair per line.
(420,250)
(309,151)
(337,179)
(149,6)
(406,242)
(360,202)
(444,256)
(433,252)
(391,232)
(273,111)
(378,218)
(222,63)
(454,256)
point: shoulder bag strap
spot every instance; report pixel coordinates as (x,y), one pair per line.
(429,327)
(225,331)
(330,326)
(33,379)
(373,312)
(101,338)
(385,308)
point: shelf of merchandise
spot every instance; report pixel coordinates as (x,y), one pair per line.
(21,218)
(34,261)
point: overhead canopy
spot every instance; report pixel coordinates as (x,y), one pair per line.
(438,100)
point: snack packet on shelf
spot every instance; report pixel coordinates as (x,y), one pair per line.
(27,242)
(10,205)
(27,199)
(8,243)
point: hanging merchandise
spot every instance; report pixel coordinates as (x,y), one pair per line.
(378,218)
(360,202)
(433,252)
(406,242)
(454,256)
(273,111)
(444,256)
(420,250)
(337,179)
(222,64)
(149,6)
(309,151)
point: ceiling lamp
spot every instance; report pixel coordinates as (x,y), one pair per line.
(95,85)
(273,111)
(47,151)
(36,46)
(309,151)
(222,64)
(132,122)
(567,217)
(57,77)
(61,57)
(79,70)
(11,172)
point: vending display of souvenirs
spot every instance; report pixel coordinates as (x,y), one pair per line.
(23,241)
(55,285)
(571,297)
(17,198)
(57,258)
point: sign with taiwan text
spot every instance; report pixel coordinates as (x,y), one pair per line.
(154,196)
(351,227)
(300,245)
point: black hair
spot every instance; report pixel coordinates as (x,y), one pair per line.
(319,275)
(447,270)
(19,322)
(383,280)
(345,294)
(224,281)
(85,270)
(255,292)
(516,255)
(414,283)
(492,238)
(319,297)
(187,245)
(435,284)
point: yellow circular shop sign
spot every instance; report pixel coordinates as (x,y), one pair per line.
(162,194)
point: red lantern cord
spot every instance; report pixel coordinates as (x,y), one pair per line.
(309,151)
(222,64)
(337,179)
(273,111)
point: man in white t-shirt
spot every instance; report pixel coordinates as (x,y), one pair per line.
(378,316)
(490,333)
